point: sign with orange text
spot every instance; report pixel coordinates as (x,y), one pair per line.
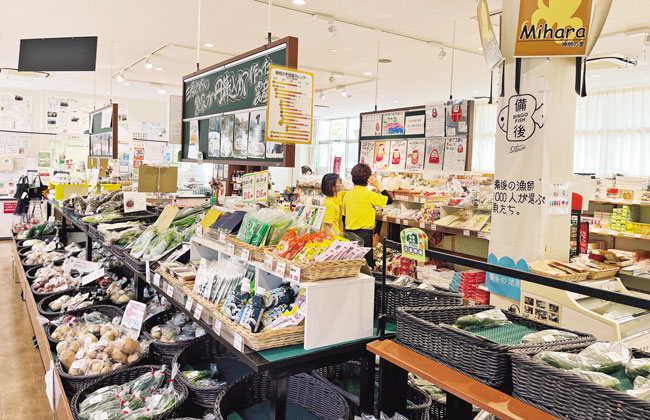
(552,28)
(290,104)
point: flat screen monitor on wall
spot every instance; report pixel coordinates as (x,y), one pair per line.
(58,54)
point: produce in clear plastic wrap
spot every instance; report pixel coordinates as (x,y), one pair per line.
(104,217)
(599,378)
(563,360)
(608,356)
(485,319)
(140,245)
(638,367)
(162,243)
(547,336)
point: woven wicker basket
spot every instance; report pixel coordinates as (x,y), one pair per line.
(320,270)
(43,307)
(606,271)
(201,352)
(108,310)
(568,396)
(313,395)
(263,340)
(256,252)
(566,277)
(417,410)
(45,238)
(412,297)
(428,331)
(164,351)
(122,376)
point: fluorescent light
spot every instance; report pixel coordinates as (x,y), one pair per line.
(209,45)
(332,50)
(595,75)
(127,84)
(161,91)
(159,68)
(298,2)
(367,73)
(395,102)
(148,65)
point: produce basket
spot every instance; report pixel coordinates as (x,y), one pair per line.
(566,395)
(123,376)
(428,331)
(256,252)
(263,340)
(319,270)
(606,271)
(46,238)
(135,263)
(26,250)
(412,297)
(338,377)
(202,352)
(45,311)
(39,296)
(108,310)
(30,273)
(535,267)
(306,397)
(165,351)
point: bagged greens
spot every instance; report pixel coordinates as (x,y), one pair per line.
(546,336)
(608,356)
(107,216)
(638,367)
(486,319)
(598,378)
(562,360)
(161,243)
(140,245)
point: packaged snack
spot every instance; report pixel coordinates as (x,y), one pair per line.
(281,295)
(273,313)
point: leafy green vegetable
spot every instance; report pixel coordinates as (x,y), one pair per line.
(485,319)
(561,360)
(638,367)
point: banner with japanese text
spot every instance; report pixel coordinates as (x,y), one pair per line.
(519,208)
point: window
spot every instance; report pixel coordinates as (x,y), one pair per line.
(337,138)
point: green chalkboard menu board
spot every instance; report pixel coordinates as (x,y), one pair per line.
(102,140)
(224,109)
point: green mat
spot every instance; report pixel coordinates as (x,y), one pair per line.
(626,382)
(509,334)
(261,411)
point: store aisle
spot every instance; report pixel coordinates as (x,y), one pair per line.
(22,389)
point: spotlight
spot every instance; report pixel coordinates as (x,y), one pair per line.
(120,78)
(332,79)
(322,95)
(161,91)
(442,54)
(344,92)
(148,65)
(332,30)
(298,2)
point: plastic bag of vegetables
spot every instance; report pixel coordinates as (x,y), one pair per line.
(609,356)
(485,319)
(140,245)
(546,336)
(638,367)
(598,378)
(562,360)
(161,243)
(107,216)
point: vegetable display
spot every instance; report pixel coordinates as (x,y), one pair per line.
(177,329)
(485,319)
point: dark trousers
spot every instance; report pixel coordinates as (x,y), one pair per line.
(367,236)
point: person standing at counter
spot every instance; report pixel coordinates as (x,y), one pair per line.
(360,203)
(332,189)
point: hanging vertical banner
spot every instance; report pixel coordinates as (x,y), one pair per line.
(193,150)
(367,154)
(557,29)
(290,104)
(415,155)
(519,208)
(336,165)
(489,42)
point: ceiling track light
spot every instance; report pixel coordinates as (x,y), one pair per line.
(147,64)
(332,79)
(120,78)
(321,95)
(161,91)
(332,30)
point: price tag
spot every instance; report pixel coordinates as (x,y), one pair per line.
(170,290)
(423,200)
(398,221)
(156,279)
(268,262)
(279,268)
(188,303)
(466,232)
(238,343)
(88,278)
(148,272)
(199,230)
(433,227)
(222,237)
(163,300)
(217,327)
(198,310)
(231,249)
(482,235)
(245,254)
(423,225)
(294,273)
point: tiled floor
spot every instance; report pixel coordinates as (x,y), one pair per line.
(22,389)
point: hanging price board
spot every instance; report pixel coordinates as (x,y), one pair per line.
(262,186)
(414,244)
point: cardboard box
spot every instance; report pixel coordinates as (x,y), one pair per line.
(158,179)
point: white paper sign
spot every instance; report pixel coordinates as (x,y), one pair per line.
(188,303)
(367,154)
(82,266)
(217,327)
(231,248)
(382,153)
(268,262)
(435,120)
(455,155)
(262,186)
(133,318)
(170,290)
(89,278)
(415,155)
(198,310)
(294,273)
(248,188)
(279,268)
(392,123)
(156,279)
(134,201)
(397,156)
(245,254)
(107,117)
(435,154)
(371,125)
(414,125)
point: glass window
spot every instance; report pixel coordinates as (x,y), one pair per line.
(338,129)
(353,129)
(352,157)
(338,150)
(323,130)
(323,157)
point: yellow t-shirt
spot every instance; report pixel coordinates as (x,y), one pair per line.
(359,208)
(333,212)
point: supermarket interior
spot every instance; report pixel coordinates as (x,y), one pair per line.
(325,209)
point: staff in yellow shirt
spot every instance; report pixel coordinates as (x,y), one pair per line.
(332,187)
(359,206)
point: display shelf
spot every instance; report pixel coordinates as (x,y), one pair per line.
(434,228)
(614,234)
(61,404)
(622,202)
(455,383)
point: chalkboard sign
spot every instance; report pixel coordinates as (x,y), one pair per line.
(236,86)
(102,141)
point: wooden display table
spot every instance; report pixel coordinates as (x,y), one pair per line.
(397,360)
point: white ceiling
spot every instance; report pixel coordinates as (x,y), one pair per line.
(129,30)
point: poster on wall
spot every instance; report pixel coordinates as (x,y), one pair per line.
(138,153)
(193,149)
(415,155)
(241,135)
(455,154)
(414,125)
(214,137)
(371,125)
(435,120)
(519,203)
(43,159)
(381,155)
(456,118)
(227,133)
(274,150)
(367,154)
(392,123)
(435,154)
(397,155)
(67,115)
(256,130)
(15,112)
